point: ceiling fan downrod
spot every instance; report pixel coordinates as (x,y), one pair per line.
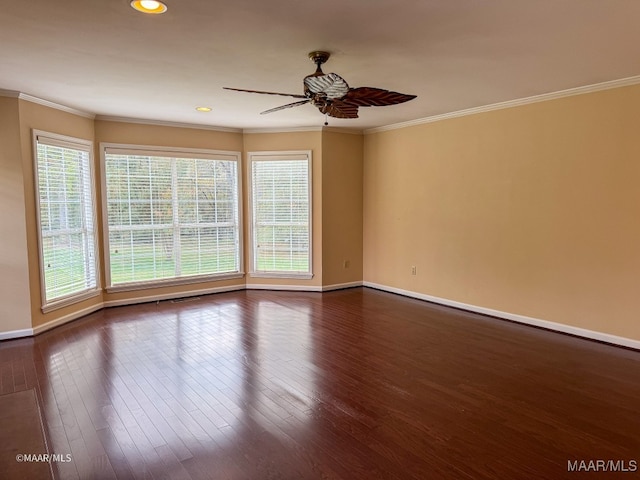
(319,57)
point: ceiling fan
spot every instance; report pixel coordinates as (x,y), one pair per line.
(332,95)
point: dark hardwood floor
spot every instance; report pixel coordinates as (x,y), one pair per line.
(352,384)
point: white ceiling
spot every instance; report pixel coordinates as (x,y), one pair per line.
(105,58)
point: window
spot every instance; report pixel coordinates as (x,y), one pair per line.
(172,215)
(281,214)
(66,226)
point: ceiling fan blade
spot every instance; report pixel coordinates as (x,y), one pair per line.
(339,109)
(266,93)
(375,97)
(331,84)
(288,105)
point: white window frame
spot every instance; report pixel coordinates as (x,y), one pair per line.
(258,156)
(171,152)
(54,139)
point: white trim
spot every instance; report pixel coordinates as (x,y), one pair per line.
(46,103)
(155,150)
(62,141)
(546,324)
(282,130)
(57,106)
(558,327)
(162,151)
(340,286)
(197,126)
(71,300)
(10,94)
(12,334)
(102,176)
(623,82)
(162,123)
(66,318)
(68,142)
(29,332)
(173,282)
(268,155)
(350,131)
(65,141)
(292,288)
(171,296)
(292,275)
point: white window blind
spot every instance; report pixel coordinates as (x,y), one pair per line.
(65,216)
(281,213)
(171,215)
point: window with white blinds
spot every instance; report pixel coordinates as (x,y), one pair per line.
(66,220)
(171,215)
(281,213)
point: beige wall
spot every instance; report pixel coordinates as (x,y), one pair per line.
(15,304)
(340,227)
(257,142)
(342,156)
(20,265)
(530,211)
(533,210)
(35,116)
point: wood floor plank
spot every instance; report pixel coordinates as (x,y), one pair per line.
(354,384)
(22,436)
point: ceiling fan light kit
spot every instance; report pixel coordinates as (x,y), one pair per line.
(331,94)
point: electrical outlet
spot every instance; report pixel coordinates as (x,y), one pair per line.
(414,270)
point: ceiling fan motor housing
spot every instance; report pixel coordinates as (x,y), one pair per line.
(319,57)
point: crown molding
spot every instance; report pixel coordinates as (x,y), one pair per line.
(142,121)
(57,106)
(162,123)
(623,82)
(350,131)
(46,103)
(225,129)
(347,130)
(282,130)
(9,93)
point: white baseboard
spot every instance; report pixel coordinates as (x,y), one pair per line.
(65,319)
(11,334)
(29,332)
(171,296)
(340,286)
(558,327)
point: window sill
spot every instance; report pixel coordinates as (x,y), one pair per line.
(298,276)
(173,282)
(70,300)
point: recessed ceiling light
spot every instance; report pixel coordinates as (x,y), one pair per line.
(203,109)
(149,6)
